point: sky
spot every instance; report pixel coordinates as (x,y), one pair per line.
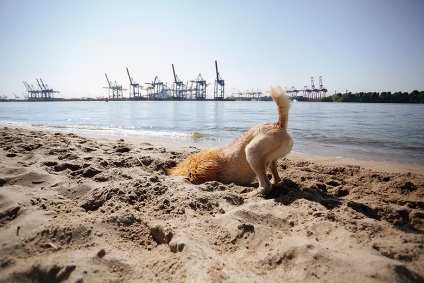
(354,45)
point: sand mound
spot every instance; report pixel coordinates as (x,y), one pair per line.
(74,209)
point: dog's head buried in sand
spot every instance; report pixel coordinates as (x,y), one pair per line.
(248,156)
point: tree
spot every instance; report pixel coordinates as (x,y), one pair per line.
(385,97)
(414,96)
(328,99)
(336,97)
(374,97)
(397,97)
(364,97)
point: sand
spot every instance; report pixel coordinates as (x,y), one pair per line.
(85,209)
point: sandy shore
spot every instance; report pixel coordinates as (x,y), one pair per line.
(87,209)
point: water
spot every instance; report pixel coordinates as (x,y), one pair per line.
(382,132)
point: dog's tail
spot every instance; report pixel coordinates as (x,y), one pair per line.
(283,104)
(200,167)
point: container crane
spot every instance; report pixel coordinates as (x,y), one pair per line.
(47,93)
(322,89)
(179,92)
(314,93)
(108,82)
(306,92)
(200,87)
(117,90)
(155,90)
(44,85)
(288,91)
(219,85)
(294,91)
(41,88)
(134,88)
(32,94)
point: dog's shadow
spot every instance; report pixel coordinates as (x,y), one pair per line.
(288,191)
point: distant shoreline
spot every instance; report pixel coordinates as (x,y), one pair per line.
(208,99)
(109,99)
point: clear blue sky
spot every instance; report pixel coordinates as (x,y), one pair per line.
(355,45)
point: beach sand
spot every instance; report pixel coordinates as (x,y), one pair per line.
(88,209)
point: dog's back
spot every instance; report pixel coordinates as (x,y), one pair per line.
(263,143)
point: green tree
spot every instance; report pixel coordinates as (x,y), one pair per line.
(421,97)
(398,97)
(414,96)
(328,99)
(385,97)
(336,97)
(374,97)
(365,97)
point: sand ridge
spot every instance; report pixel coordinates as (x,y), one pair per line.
(79,209)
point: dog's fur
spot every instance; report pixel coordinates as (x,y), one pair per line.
(247,157)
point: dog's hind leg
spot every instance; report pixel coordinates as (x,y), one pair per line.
(258,163)
(275,177)
(260,170)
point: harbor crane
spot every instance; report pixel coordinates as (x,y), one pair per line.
(46,93)
(322,89)
(219,85)
(155,90)
(43,93)
(288,91)
(315,91)
(200,86)
(293,91)
(117,90)
(41,89)
(134,88)
(311,94)
(33,94)
(306,92)
(179,92)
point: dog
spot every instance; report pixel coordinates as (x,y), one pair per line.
(247,157)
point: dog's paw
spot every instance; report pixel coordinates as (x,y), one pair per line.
(253,194)
(276,181)
(264,190)
(261,192)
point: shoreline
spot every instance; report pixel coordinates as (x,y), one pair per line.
(380,166)
(80,208)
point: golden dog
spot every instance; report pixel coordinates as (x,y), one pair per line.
(247,157)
